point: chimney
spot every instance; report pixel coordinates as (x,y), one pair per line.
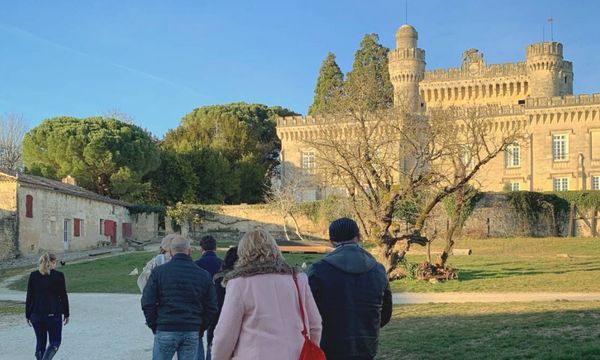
(69,180)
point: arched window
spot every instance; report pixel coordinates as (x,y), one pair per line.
(29,206)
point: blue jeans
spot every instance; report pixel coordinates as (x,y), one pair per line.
(46,328)
(210,333)
(167,343)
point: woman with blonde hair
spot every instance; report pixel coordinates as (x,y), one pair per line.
(261,317)
(162,258)
(47,306)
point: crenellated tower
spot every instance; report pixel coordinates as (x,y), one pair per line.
(549,74)
(407,68)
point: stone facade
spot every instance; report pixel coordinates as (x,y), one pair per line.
(562,150)
(58,217)
(8,235)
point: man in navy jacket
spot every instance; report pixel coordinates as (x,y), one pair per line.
(179,302)
(210,262)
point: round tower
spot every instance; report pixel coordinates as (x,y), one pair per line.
(407,68)
(548,72)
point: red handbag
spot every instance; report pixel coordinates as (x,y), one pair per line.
(310,350)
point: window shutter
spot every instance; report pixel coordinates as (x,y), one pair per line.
(76,227)
(29,206)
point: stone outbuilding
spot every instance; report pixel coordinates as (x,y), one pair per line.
(40,214)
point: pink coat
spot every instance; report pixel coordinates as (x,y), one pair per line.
(261,320)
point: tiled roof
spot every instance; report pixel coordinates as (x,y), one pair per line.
(53,185)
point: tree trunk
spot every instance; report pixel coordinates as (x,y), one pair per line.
(455,222)
(285,232)
(296,226)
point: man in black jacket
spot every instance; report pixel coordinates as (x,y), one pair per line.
(353,295)
(179,303)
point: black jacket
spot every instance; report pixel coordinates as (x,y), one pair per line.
(353,295)
(179,296)
(210,262)
(46,294)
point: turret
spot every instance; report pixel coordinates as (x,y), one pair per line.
(549,74)
(407,68)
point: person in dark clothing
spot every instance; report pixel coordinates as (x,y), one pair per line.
(210,262)
(47,306)
(179,302)
(228,263)
(353,295)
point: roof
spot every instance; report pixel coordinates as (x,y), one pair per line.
(57,186)
(406,30)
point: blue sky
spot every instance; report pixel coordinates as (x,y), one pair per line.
(158,60)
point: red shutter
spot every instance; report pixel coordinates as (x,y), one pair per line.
(29,206)
(127,232)
(76,227)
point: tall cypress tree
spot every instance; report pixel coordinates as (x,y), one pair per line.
(368,85)
(329,84)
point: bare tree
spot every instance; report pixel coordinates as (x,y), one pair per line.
(12,130)
(117,114)
(285,198)
(389,156)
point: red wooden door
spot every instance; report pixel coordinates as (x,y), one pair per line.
(110,229)
(127,231)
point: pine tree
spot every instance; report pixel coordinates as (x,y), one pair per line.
(368,84)
(329,84)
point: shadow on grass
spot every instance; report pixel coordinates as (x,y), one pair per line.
(451,332)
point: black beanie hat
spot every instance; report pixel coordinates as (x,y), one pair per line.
(343,229)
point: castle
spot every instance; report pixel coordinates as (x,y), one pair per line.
(562,149)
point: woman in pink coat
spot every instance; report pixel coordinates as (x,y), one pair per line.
(260,317)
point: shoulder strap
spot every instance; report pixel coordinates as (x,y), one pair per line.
(304,332)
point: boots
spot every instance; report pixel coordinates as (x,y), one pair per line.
(39,355)
(50,352)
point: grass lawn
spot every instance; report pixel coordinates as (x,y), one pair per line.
(555,330)
(12,308)
(518,264)
(110,275)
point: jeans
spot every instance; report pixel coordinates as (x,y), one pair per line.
(209,337)
(47,326)
(167,343)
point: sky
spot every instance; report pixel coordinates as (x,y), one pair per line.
(158,60)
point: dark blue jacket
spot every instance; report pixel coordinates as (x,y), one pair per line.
(353,295)
(210,262)
(179,296)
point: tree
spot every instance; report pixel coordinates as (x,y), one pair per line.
(329,83)
(234,148)
(370,65)
(104,155)
(384,158)
(12,130)
(285,199)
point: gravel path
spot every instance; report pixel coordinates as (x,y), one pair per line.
(111,326)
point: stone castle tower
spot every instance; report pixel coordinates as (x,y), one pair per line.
(407,68)
(550,75)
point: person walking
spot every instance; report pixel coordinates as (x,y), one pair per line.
(261,317)
(47,306)
(231,257)
(179,303)
(353,295)
(210,262)
(162,258)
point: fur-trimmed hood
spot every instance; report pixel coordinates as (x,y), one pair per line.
(272,267)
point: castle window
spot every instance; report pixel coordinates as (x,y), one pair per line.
(513,186)
(512,156)
(29,206)
(560,184)
(565,79)
(560,147)
(308,162)
(595,182)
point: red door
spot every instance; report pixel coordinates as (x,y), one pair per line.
(127,231)
(110,229)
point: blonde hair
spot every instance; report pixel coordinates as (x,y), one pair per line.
(257,246)
(165,243)
(45,263)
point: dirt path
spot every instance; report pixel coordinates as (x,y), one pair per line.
(111,326)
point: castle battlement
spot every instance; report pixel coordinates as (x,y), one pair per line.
(559,101)
(487,71)
(552,48)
